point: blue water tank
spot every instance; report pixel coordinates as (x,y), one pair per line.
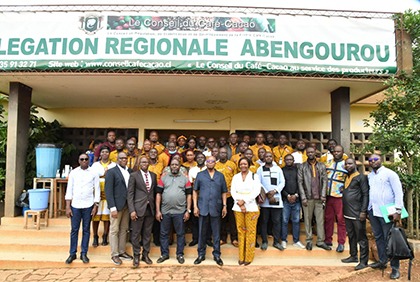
(38,199)
(48,158)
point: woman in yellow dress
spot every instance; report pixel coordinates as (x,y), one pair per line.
(101,167)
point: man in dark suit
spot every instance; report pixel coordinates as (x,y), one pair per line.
(116,183)
(209,197)
(141,205)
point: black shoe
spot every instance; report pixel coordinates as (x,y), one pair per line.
(95,241)
(377,265)
(340,248)
(116,260)
(70,259)
(193,243)
(180,259)
(162,259)
(395,274)
(157,244)
(350,259)
(278,246)
(105,240)
(199,259)
(209,243)
(324,246)
(257,245)
(360,266)
(218,260)
(125,256)
(146,259)
(309,246)
(136,261)
(329,244)
(84,258)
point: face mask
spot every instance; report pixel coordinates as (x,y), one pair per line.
(172,152)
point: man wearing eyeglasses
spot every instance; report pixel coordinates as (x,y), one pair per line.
(209,196)
(385,188)
(82,199)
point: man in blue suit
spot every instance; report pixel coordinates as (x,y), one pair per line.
(116,183)
(209,198)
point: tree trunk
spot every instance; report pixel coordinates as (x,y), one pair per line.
(417,215)
(410,192)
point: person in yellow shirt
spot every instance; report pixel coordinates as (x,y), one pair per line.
(242,148)
(328,156)
(280,151)
(119,147)
(259,143)
(154,138)
(190,156)
(250,155)
(154,164)
(233,146)
(132,153)
(269,140)
(227,168)
(182,141)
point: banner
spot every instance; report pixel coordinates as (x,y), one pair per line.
(190,41)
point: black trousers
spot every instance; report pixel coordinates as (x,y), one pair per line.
(356,231)
(142,228)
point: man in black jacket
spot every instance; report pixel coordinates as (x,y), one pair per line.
(355,204)
(116,182)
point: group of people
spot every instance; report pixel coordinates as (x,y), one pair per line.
(227,187)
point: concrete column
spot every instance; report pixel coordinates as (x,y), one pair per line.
(340,117)
(17,144)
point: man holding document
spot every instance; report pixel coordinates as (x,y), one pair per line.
(385,189)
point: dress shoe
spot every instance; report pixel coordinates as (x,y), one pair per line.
(218,260)
(264,246)
(116,260)
(278,246)
(209,243)
(157,244)
(247,263)
(309,246)
(162,259)
(136,261)
(146,259)
(324,246)
(180,259)
(199,259)
(395,274)
(329,244)
(350,259)
(95,241)
(377,265)
(257,245)
(105,240)
(241,262)
(340,248)
(70,259)
(84,258)
(125,256)
(193,243)
(360,266)
(235,243)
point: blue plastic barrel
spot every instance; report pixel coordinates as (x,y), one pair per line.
(48,158)
(38,199)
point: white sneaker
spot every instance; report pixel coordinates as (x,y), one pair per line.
(284,244)
(299,245)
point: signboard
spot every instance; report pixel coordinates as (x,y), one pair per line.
(190,41)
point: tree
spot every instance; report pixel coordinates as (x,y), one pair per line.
(396,121)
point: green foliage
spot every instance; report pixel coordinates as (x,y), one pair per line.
(40,131)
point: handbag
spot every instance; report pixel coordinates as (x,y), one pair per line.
(262,196)
(397,247)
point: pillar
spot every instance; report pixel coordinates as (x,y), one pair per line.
(17,144)
(340,117)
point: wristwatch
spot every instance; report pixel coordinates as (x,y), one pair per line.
(189,211)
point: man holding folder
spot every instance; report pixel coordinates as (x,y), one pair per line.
(385,189)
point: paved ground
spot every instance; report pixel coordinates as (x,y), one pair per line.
(201,273)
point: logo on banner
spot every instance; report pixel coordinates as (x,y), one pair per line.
(90,24)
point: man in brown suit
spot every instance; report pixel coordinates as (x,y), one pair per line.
(141,205)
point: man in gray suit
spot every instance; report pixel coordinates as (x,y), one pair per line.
(209,196)
(141,205)
(116,183)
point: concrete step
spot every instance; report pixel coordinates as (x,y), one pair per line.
(48,248)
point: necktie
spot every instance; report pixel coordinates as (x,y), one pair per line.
(147,182)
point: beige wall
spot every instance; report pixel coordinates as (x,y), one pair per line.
(226,119)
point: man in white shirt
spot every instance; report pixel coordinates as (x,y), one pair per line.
(82,199)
